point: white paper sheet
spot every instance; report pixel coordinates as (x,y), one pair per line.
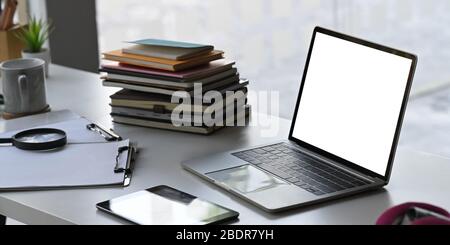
(75,129)
(75,165)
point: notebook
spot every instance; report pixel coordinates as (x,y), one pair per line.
(137,121)
(150,99)
(168,43)
(208,115)
(141,104)
(196,73)
(167,49)
(228,81)
(130,78)
(159,63)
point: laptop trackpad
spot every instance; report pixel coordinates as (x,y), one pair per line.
(246,179)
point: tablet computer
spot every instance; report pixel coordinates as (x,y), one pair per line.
(164,205)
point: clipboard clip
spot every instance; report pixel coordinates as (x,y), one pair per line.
(109,135)
(130,158)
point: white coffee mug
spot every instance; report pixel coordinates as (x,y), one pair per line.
(23,83)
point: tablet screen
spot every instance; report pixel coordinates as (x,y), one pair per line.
(163,205)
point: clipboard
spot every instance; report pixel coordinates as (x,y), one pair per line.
(69,167)
(78,130)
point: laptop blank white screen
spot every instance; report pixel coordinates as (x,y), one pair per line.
(351,101)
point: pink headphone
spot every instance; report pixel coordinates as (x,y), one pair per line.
(414,213)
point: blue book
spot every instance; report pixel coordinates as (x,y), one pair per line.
(168,43)
(167,49)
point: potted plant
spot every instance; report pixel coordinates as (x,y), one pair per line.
(34,36)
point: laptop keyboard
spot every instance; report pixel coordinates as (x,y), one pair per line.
(300,169)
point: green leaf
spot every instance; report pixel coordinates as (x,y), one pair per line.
(35,35)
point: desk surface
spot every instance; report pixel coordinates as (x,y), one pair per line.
(416,176)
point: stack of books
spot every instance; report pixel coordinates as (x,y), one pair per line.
(175,85)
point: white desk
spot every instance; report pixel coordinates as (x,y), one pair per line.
(416,176)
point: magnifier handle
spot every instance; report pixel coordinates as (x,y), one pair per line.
(5,141)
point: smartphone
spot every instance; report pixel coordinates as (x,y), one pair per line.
(164,205)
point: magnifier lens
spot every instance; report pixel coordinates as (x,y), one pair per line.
(39,137)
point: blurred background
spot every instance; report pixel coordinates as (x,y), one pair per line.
(269,39)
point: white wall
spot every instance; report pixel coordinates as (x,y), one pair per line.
(37,8)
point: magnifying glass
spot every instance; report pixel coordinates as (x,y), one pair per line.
(39,139)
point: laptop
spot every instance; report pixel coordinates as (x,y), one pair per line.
(343,135)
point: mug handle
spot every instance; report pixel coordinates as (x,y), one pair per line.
(23,92)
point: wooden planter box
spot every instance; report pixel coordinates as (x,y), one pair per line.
(10,46)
